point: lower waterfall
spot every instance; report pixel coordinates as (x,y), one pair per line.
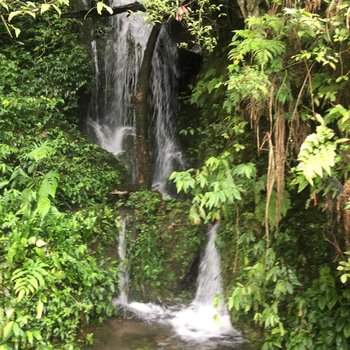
(123,265)
(201,322)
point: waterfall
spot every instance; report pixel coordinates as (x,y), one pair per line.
(149,311)
(111,122)
(164,86)
(117,61)
(209,277)
(123,264)
(202,320)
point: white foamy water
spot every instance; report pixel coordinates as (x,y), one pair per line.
(202,320)
(123,264)
(111,122)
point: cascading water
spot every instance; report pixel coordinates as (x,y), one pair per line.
(111,121)
(168,155)
(123,265)
(117,61)
(111,118)
(148,311)
(201,321)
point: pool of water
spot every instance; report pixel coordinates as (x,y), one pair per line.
(134,334)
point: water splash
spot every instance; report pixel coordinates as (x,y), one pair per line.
(202,320)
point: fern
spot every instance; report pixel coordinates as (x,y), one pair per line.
(254,42)
(42,151)
(47,189)
(340,114)
(317,155)
(30,278)
(6,150)
(262,50)
(214,187)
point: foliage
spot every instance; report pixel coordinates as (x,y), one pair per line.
(287,77)
(345,267)
(33,115)
(53,194)
(50,278)
(162,245)
(214,187)
(194,16)
(10,9)
(317,154)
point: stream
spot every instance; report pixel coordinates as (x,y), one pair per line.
(134,334)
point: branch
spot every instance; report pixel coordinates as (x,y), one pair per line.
(133,7)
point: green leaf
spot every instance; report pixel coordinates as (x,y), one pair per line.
(21,294)
(43,208)
(39,310)
(17,31)
(41,254)
(57,9)
(49,185)
(7,329)
(41,152)
(33,281)
(44,8)
(99,7)
(108,9)
(14,14)
(16,329)
(30,337)
(10,255)
(343,278)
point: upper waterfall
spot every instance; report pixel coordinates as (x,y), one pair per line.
(117,61)
(118,57)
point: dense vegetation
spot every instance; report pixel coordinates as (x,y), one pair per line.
(163,247)
(271,159)
(276,122)
(53,194)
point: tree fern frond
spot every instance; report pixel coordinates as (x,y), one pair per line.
(49,185)
(42,151)
(47,189)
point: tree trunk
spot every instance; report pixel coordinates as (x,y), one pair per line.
(141,107)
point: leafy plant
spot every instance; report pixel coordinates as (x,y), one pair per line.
(344,266)
(55,217)
(215,187)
